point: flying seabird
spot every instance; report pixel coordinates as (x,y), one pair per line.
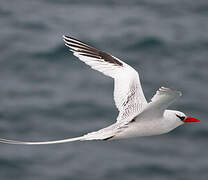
(136,116)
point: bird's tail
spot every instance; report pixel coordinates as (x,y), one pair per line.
(102,134)
(90,136)
(8,141)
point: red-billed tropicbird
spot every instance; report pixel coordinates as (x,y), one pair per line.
(136,116)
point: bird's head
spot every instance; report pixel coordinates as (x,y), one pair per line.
(181,117)
(177,118)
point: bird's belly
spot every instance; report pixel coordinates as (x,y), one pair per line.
(142,128)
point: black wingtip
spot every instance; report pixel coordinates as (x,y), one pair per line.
(65,36)
(70,38)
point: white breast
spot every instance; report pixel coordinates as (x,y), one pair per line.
(147,127)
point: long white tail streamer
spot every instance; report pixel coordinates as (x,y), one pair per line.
(8,141)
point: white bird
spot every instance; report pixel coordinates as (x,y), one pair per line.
(136,116)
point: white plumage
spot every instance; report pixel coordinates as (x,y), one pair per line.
(136,116)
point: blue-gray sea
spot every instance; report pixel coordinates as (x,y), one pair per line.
(46,93)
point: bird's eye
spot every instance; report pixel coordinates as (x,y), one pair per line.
(180,117)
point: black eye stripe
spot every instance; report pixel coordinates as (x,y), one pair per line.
(180,117)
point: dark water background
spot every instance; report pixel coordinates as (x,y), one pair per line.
(47,94)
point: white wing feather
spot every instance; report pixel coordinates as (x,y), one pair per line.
(164,97)
(128,94)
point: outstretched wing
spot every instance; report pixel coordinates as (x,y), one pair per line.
(163,98)
(128,94)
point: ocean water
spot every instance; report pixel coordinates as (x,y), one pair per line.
(47,94)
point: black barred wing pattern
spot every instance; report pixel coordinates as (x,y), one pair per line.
(128,94)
